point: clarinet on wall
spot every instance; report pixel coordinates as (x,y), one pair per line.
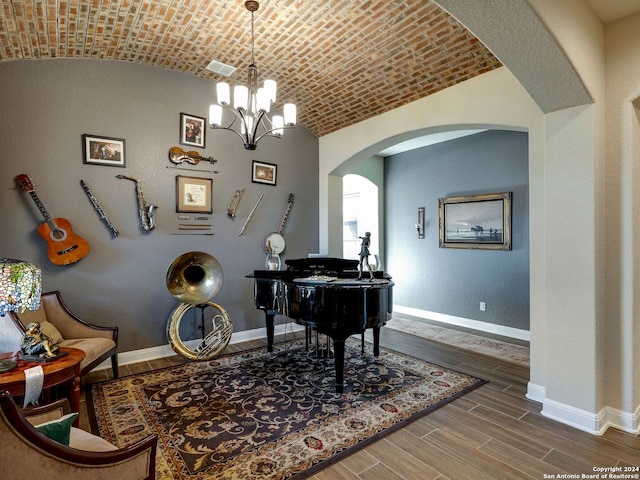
(103,216)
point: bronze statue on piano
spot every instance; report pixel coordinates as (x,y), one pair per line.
(326,295)
(364,254)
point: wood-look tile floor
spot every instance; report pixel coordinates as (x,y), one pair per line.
(492,433)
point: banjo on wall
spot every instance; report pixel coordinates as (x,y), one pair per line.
(274,242)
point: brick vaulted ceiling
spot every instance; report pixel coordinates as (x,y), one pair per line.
(340,61)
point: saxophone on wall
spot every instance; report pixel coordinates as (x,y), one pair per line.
(147,222)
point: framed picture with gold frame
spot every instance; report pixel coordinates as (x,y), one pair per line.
(193,194)
(476,221)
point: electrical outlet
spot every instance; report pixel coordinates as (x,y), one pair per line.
(483,306)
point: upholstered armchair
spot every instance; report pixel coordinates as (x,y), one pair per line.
(98,343)
(28,453)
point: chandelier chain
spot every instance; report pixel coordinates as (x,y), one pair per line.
(253,62)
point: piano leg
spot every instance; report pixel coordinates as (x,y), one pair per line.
(307,337)
(338,355)
(269,320)
(376,341)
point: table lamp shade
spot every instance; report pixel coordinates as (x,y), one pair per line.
(20,286)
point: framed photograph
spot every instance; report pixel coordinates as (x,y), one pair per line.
(193,194)
(476,221)
(99,150)
(192,130)
(263,173)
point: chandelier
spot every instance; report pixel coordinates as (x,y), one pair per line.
(251,104)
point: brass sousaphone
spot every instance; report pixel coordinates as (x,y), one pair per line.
(194,278)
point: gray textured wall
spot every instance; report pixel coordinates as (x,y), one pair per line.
(453,281)
(48,105)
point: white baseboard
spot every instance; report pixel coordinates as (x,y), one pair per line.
(594,423)
(466,322)
(535,392)
(626,421)
(577,418)
(163,351)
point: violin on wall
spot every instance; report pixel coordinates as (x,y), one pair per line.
(177,155)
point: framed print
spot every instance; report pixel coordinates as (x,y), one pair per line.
(99,150)
(476,221)
(192,130)
(264,173)
(193,194)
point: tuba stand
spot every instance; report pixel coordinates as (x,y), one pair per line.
(201,327)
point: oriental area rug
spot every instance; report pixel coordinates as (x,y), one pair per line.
(509,352)
(268,416)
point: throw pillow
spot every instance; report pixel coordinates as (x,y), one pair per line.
(59,430)
(50,330)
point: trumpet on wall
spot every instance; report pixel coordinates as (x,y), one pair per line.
(232,206)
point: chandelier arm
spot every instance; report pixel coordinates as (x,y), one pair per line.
(267,134)
(261,120)
(270,134)
(235,117)
(241,114)
(231,130)
(228,127)
(270,127)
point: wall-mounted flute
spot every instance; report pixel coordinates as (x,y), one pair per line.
(246,222)
(103,216)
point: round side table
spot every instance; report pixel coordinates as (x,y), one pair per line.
(64,370)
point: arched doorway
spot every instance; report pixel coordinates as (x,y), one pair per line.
(359,215)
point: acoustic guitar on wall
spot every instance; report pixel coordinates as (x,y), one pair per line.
(64,247)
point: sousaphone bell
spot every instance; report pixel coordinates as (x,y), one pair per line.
(194,278)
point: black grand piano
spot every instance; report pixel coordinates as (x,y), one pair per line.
(324,294)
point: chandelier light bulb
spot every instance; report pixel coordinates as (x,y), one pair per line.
(278,125)
(289,114)
(263,103)
(270,87)
(215,115)
(223,93)
(240,97)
